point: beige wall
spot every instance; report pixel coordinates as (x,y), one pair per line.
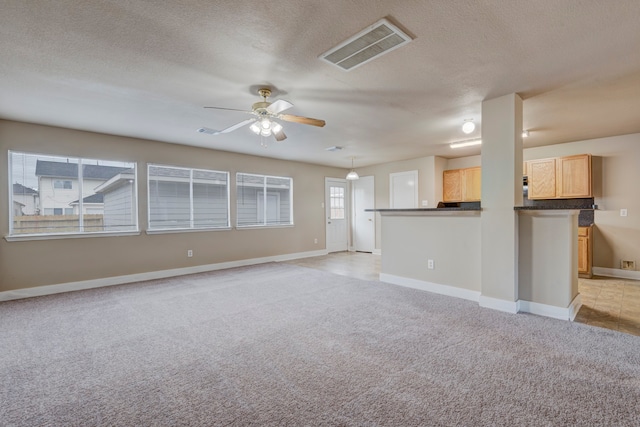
(464,162)
(548,254)
(429,186)
(452,241)
(25,264)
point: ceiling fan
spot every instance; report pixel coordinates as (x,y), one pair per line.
(264,112)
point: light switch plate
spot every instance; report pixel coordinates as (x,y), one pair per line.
(623,212)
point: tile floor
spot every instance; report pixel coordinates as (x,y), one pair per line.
(606,302)
(610,303)
(360,265)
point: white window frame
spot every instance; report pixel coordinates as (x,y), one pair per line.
(265,191)
(191,227)
(74,234)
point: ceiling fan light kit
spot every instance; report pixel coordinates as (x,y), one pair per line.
(264,124)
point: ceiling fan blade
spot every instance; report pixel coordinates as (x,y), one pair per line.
(236,126)
(279,106)
(280,136)
(303,120)
(230,109)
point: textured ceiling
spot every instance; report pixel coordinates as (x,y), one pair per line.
(146,68)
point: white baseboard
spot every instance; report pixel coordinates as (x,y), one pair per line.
(616,272)
(574,307)
(568,313)
(377,251)
(436,288)
(499,304)
(161,274)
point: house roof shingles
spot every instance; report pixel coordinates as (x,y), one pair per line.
(70,170)
(94,198)
(22,190)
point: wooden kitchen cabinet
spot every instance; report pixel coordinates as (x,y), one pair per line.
(585,251)
(573,176)
(452,185)
(542,179)
(462,185)
(560,178)
(471,184)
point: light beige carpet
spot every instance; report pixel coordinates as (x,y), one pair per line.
(281,345)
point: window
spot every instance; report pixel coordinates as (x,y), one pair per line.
(182,198)
(62,184)
(67,195)
(263,200)
(336,198)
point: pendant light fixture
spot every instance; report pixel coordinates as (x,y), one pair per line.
(352,175)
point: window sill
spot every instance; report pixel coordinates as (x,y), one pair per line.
(258,227)
(185,230)
(28,237)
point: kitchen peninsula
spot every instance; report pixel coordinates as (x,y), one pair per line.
(449,237)
(439,250)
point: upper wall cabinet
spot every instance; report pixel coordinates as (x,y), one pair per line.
(573,176)
(452,185)
(462,185)
(471,184)
(560,178)
(542,178)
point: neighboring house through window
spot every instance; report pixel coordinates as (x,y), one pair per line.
(263,200)
(67,195)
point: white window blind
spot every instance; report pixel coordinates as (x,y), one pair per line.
(183,198)
(263,200)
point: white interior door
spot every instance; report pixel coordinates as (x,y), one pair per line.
(403,190)
(364,230)
(336,213)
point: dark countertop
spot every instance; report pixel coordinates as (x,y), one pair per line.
(556,208)
(424,210)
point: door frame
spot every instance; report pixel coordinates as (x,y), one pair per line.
(354,228)
(347,211)
(413,175)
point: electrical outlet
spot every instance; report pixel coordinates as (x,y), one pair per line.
(430,264)
(189,253)
(315,241)
(628,265)
(425,203)
(623,212)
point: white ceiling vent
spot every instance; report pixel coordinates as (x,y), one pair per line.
(368,44)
